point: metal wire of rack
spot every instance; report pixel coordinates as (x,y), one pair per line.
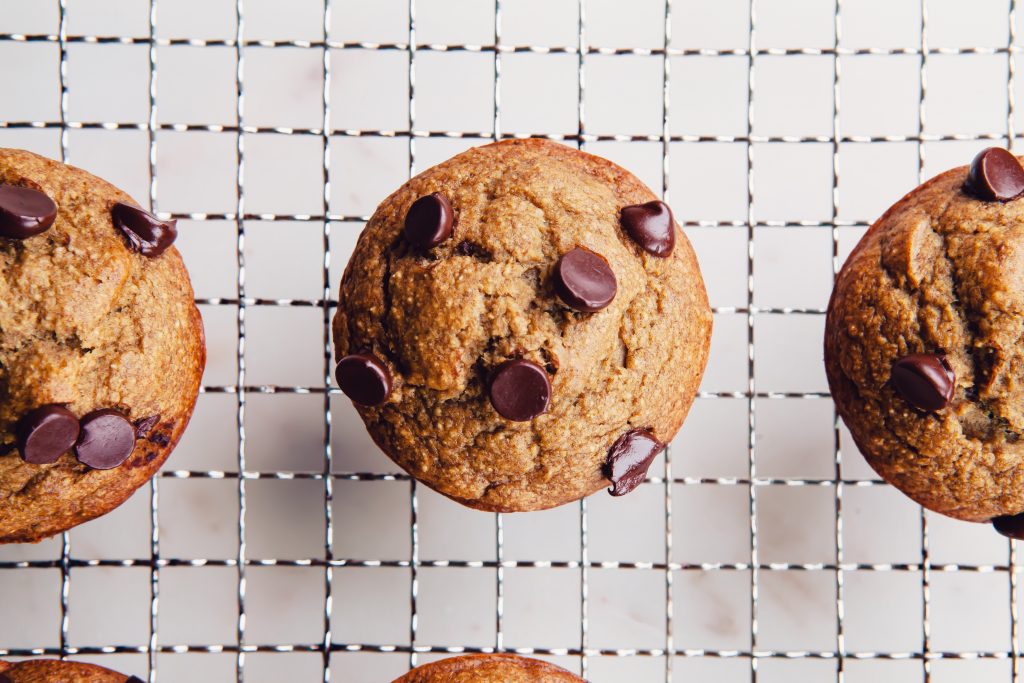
(926,654)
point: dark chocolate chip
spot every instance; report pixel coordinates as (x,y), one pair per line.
(519,390)
(24,212)
(584,281)
(364,379)
(133,679)
(144,425)
(5,679)
(159,438)
(650,225)
(924,380)
(995,176)
(146,233)
(629,459)
(467,248)
(106,441)
(46,433)
(429,221)
(1011,526)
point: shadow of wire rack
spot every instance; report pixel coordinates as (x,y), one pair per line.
(278,543)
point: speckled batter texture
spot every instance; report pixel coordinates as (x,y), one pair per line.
(53,671)
(940,272)
(86,322)
(496,668)
(442,321)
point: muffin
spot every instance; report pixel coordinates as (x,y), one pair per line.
(521,326)
(54,671)
(496,668)
(923,343)
(101,346)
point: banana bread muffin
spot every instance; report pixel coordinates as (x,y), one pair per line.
(521,326)
(496,668)
(54,671)
(923,342)
(101,346)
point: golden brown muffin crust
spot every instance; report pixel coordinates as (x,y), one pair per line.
(496,668)
(443,321)
(53,671)
(941,272)
(86,322)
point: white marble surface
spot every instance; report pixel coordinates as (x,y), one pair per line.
(626,608)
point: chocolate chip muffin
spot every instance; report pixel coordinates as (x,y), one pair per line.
(923,342)
(521,326)
(496,668)
(101,346)
(53,671)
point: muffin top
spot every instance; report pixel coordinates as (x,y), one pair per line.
(923,342)
(517,314)
(101,346)
(53,671)
(495,668)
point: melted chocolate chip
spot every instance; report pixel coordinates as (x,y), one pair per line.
(467,248)
(995,176)
(584,281)
(159,438)
(430,221)
(629,459)
(364,378)
(133,679)
(5,679)
(650,225)
(106,441)
(924,380)
(144,425)
(146,233)
(24,212)
(46,433)
(519,390)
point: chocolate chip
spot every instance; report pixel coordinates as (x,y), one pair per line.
(924,380)
(995,176)
(46,433)
(519,390)
(106,441)
(584,281)
(144,425)
(364,379)
(5,679)
(650,225)
(1011,526)
(429,221)
(467,248)
(629,459)
(133,679)
(24,212)
(159,438)
(146,233)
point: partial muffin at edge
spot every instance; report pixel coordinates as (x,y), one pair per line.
(55,671)
(493,668)
(940,274)
(89,323)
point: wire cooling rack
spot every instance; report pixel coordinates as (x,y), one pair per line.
(773,610)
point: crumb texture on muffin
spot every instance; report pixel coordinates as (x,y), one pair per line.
(444,319)
(495,668)
(940,273)
(54,671)
(89,324)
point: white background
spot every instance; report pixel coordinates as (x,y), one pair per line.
(634,559)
